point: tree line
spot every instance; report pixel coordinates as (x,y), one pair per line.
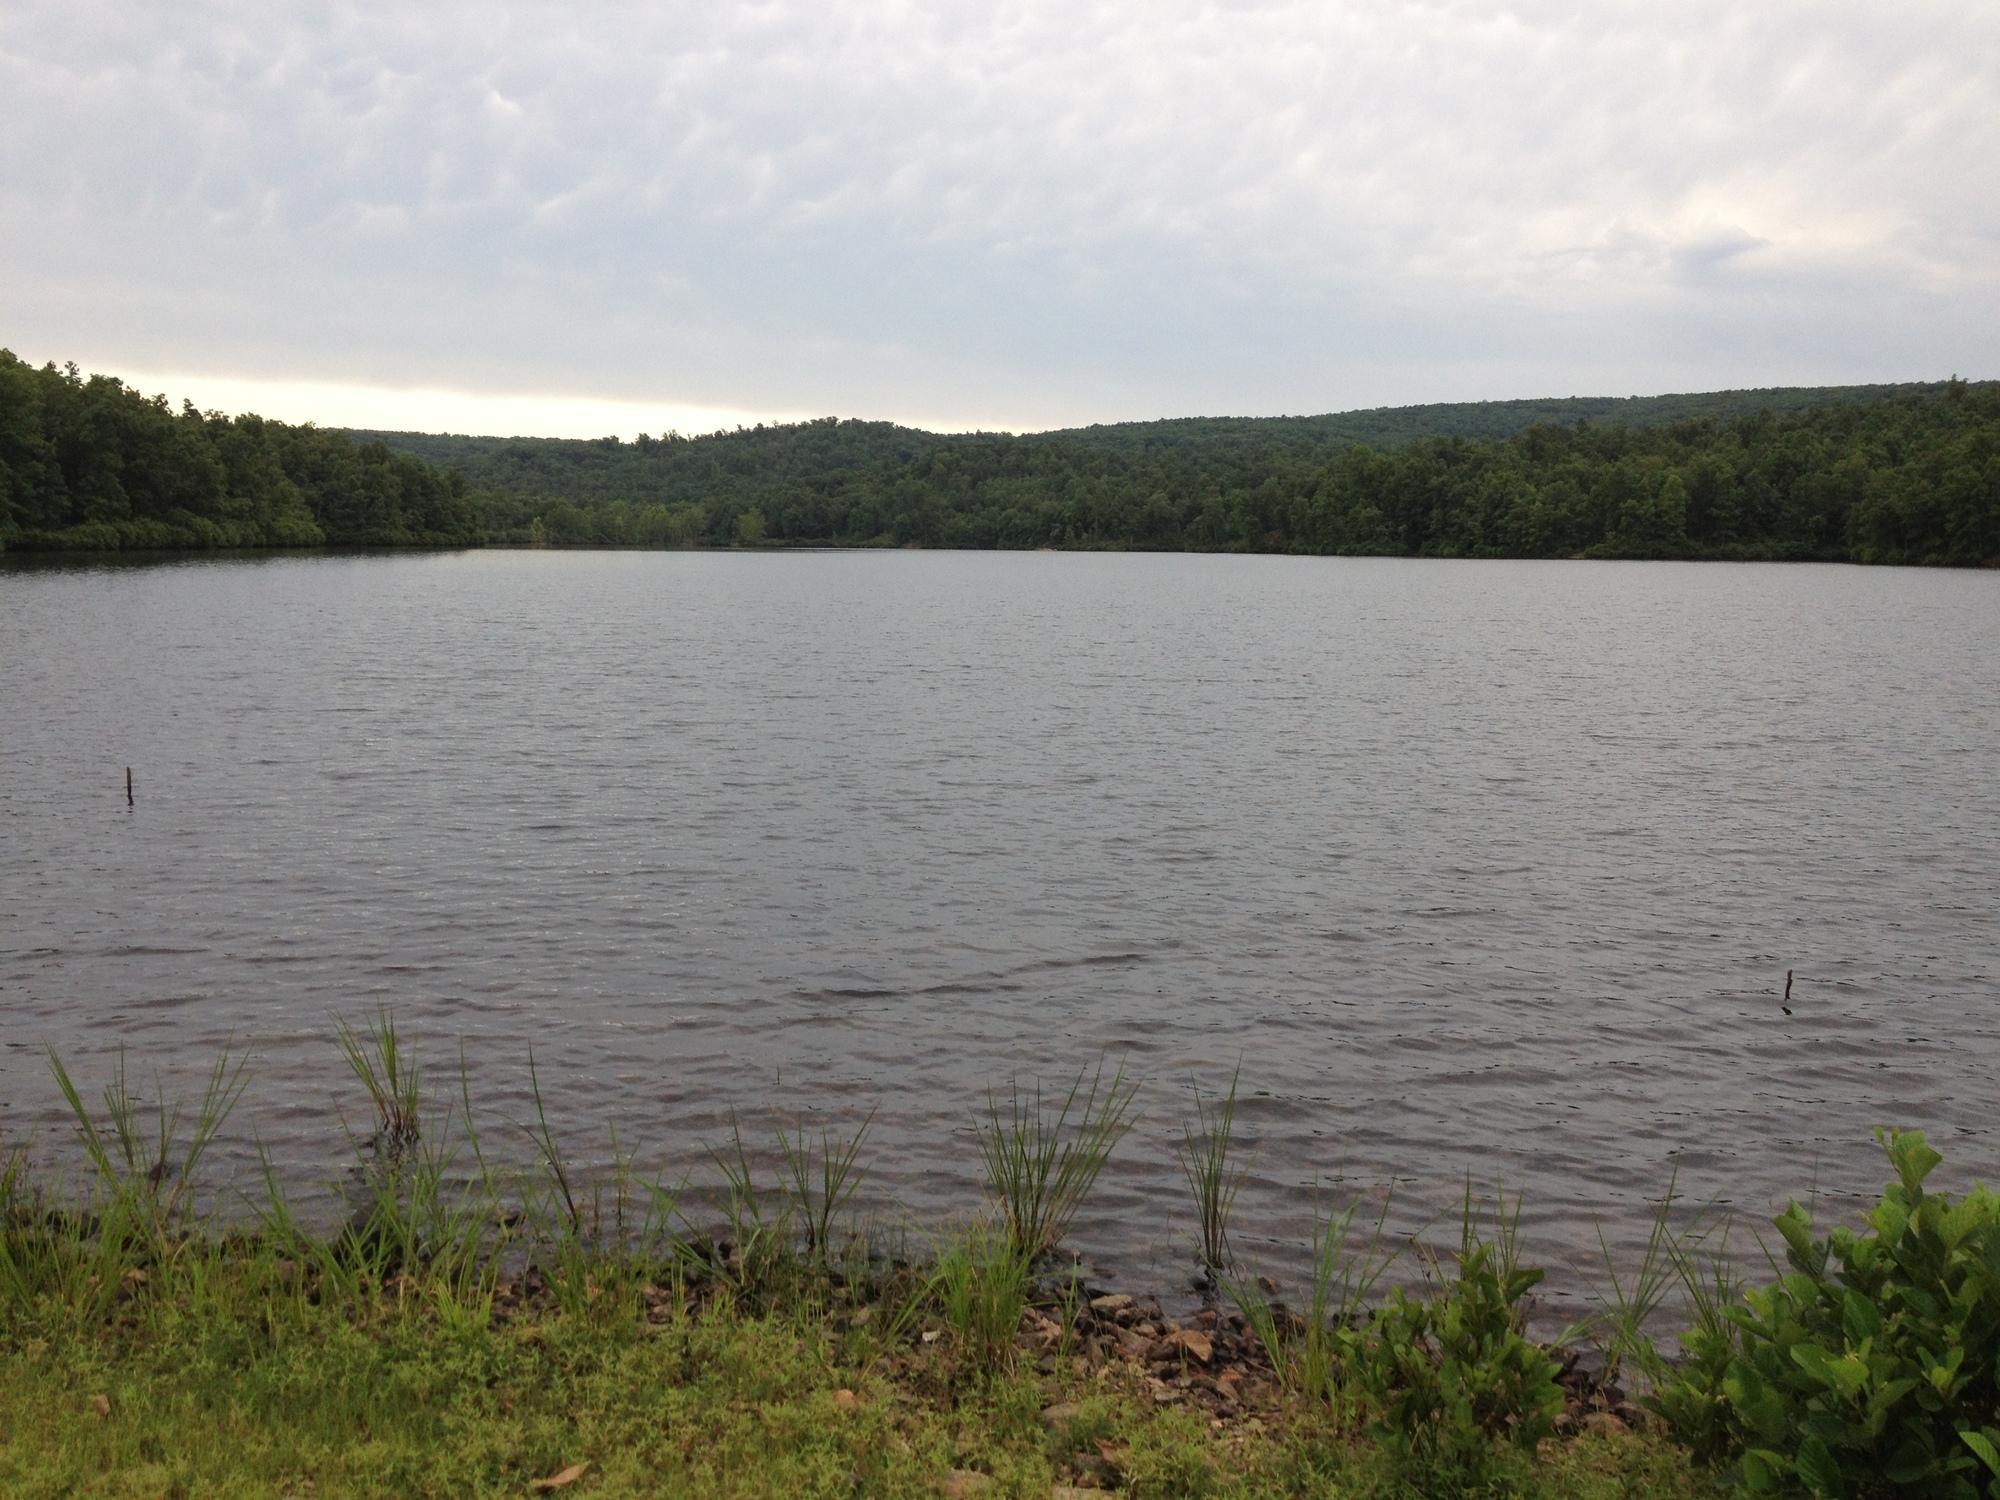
(1906,474)
(89,464)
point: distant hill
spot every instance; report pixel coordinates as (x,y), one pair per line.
(1903,473)
(1906,474)
(1387,426)
(677,469)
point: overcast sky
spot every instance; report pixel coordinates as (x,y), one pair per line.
(585,218)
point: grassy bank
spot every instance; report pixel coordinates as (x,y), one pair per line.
(474,1327)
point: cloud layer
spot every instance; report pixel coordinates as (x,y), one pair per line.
(1023,215)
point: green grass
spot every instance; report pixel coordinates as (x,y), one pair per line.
(227,1392)
(981,1287)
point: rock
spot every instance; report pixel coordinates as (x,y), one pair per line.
(1603,1424)
(846,1400)
(1110,1305)
(1197,1344)
(1043,1327)
(1090,1468)
(963,1484)
(1059,1416)
(1269,1285)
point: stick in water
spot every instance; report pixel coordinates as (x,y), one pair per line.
(1785,1004)
(128,786)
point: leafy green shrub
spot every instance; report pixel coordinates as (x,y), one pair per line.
(1872,1366)
(1449,1374)
(1445,1383)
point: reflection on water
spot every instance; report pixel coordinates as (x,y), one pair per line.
(1488,869)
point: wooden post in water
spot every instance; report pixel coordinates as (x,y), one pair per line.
(128,786)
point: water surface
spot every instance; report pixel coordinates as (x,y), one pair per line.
(1478,868)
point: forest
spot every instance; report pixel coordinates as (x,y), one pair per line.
(88,464)
(1884,474)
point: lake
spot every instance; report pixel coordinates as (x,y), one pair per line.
(1486,869)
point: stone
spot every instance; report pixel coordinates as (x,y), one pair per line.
(1603,1424)
(1059,1416)
(1194,1343)
(1043,1327)
(1111,1304)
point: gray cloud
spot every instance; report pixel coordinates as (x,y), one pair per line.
(1033,213)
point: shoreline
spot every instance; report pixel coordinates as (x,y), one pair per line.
(986,1367)
(55,555)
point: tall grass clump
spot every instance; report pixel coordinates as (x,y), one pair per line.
(758,1238)
(1682,1261)
(1312,1349)
(141,1159)
(13,1183)
(980,1284)
(1213,1175)
(1627,1310)
(389,1074)
(1690,1393)
(822,1176)
(1042,1157)
(135,1220)
(425,1227)
(548,1153)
